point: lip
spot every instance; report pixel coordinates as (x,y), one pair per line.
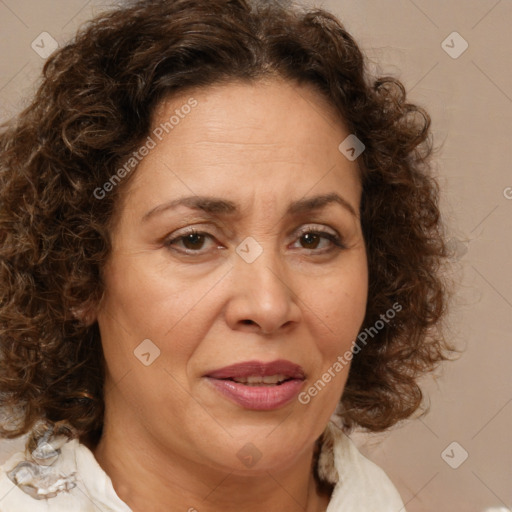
(262,397)
(259,369)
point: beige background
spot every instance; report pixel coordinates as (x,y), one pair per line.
(470,100)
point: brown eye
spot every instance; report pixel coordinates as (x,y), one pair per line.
(319,241)
(310,240)
(193,241)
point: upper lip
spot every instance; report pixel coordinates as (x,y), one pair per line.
(259,369)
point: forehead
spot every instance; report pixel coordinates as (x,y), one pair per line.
(271,111)
(267,137)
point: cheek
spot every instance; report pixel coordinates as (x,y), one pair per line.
(340,306)
(148,298)
(148,301)
(340,313)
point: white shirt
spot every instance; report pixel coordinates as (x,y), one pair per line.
(79,484)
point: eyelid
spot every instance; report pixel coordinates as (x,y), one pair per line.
(306,228)
(180,234)
(329,233)
(193,229)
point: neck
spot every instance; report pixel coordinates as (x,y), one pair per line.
(148,473)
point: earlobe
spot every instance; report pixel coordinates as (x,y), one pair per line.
(86,314)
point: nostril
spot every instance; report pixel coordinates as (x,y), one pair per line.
(248,322)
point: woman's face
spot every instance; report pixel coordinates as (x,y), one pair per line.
(275,277)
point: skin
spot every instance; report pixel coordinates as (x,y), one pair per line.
(169,436)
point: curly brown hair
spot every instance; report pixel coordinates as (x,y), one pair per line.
(92,109)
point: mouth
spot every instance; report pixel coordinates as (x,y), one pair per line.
(254,380)
(257,385)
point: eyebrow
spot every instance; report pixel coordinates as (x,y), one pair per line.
(223,207)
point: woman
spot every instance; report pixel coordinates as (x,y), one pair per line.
(210,213)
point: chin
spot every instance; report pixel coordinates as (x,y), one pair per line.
(253,450)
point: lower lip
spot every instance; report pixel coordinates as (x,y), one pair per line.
(260,398)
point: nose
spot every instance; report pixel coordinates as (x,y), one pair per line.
(263,296)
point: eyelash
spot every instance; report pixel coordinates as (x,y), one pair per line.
(334,239)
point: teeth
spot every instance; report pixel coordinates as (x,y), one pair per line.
(254,380)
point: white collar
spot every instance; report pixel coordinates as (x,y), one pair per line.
(359,484)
